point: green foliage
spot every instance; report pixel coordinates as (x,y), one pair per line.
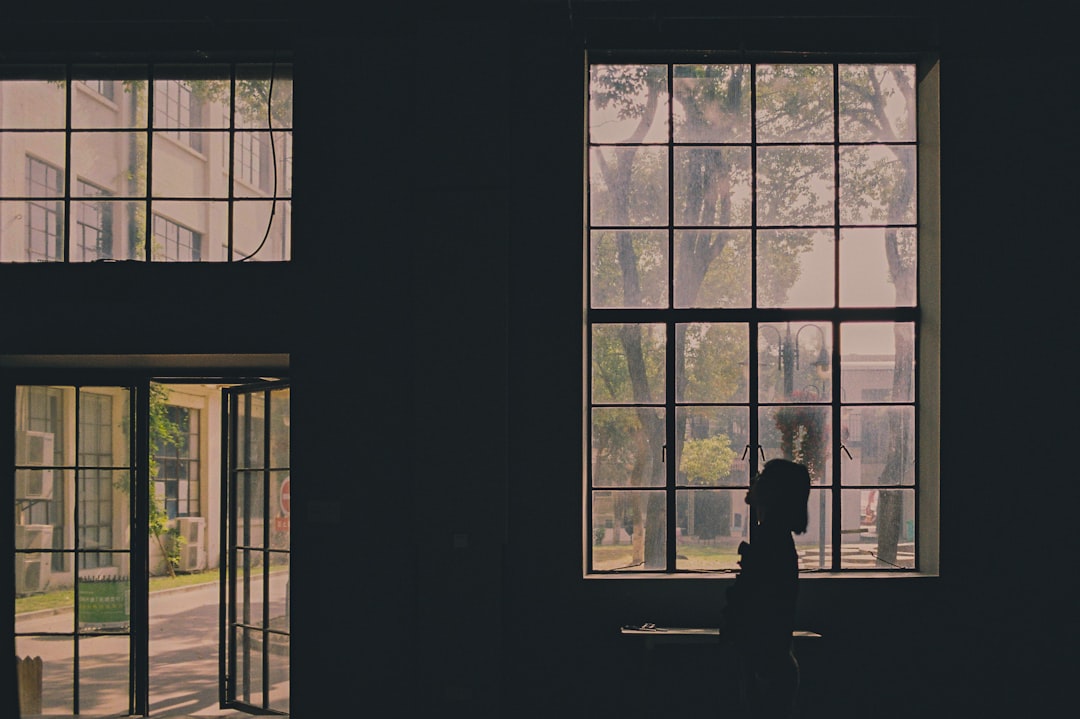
(713,366)
(625,87)
(704,461)
(803,434)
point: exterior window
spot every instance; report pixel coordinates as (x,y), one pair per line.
(93,225)
(253,158)
(752,250)
(177,481)
(207,145)
(44,217)
(176,107)
(39,494)
(95,481)
(176,243)
(105,88)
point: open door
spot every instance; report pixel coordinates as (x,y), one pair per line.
(255,549)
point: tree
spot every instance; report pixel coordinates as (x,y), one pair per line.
(163,433)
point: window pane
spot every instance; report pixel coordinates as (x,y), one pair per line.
(800,433)
(815,545)
(714,360)
(877,185)
(628,103)
(711,525)
(795,268)
(712,103)
(255,103)
(794,103)
(34,104)
(250,496)
(877,363)
(628,363)
(108,97)
(102,229)
(110,160)
(104,604)
(103,676)
(879,529)
(262,230)
(877,103)
(57,671)
(280,498)
(280,404)
(877,267)
(629,186)
(880,444)
(622,516)
(628,447)
(794,362)
(177,173)
(188,231)
(795,186)
(712,186)
(629,268)
(711,446)
(712,268)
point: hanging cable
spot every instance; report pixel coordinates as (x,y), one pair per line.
(273,158)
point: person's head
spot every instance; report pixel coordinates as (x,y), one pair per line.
(779,494)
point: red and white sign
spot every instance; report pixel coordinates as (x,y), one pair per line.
(285,499)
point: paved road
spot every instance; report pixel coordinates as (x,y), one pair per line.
(183,658)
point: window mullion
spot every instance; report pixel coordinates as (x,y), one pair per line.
(670,460)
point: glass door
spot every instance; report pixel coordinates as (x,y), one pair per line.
(255,554)
(77,631)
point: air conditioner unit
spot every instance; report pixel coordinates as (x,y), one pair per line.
(34,449)
(34,484)
(32,573)
(192,556)
(33,536)
(32,570)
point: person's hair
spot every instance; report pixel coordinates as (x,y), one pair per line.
(784,488)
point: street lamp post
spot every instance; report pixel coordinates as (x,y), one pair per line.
(788,356)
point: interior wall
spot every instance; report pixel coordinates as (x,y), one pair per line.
(434,327)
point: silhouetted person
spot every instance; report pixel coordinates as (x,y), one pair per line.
(760,613)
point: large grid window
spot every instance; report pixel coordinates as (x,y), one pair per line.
(93,225)
(44,216)
(752,254)
(94,513)
(176,483)
(207,145)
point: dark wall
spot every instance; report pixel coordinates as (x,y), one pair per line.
(433,319)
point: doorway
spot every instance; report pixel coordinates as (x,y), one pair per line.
(152,545)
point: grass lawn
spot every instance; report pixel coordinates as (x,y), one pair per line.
(62,598)
(691,556)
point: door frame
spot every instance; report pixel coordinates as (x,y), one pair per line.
(228,624)
(136,372)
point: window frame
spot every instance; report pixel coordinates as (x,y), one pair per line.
(249,219)
(925,316)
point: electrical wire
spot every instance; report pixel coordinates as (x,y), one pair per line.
(273,159)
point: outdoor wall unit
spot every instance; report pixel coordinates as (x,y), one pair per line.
(192,554)
(36,449)
(32,571)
